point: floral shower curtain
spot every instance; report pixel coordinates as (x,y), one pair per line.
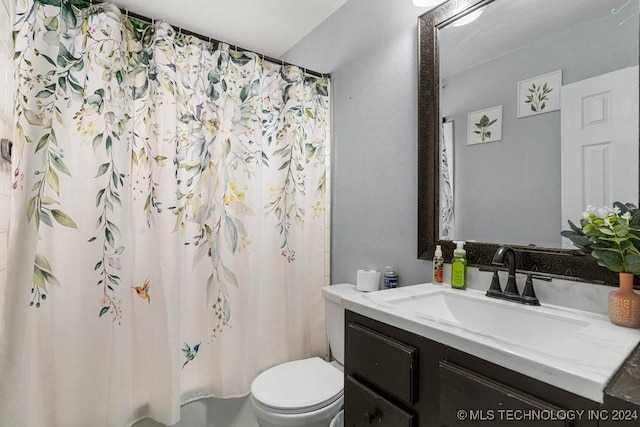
(167,230)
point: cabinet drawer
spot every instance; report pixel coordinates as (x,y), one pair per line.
(467,398)
(383,361)
(363,407)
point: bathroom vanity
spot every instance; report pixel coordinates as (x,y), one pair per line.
(407,368)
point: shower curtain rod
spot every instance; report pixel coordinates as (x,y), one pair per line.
(207,38)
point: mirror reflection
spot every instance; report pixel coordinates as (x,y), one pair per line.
(539,103)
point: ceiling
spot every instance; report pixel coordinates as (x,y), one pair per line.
(513,25)
(269,27)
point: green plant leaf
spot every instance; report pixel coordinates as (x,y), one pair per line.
(230,277)
(575,228)
(33,118)
(51,2)
(38,278)
(612,260)
(99,196)
(244,93)
(43,263)
(284,165)
(59,164)
(103,169)
(579,240)
(97,140)
(51,24)
(103,311)
(109,236)
(63,218)
(606,231)
(68,15)
(44,94)
(53,181)
(31,206)
(633,263)
(44,217)
(322,89)
(231,234)
(42,142)
(50,278)
(226,310)
(621,230)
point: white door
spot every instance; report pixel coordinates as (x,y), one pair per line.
(599,148)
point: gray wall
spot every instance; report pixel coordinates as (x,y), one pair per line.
(521,173)
(370,49)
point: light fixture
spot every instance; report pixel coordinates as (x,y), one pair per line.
(427,3)
(469,18)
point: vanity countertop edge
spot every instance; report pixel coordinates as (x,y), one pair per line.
(625,385)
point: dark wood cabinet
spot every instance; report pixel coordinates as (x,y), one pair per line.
(368,407)
(414,381)
(485,399)
(386,363)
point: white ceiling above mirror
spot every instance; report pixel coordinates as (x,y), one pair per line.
(514,25)
(508,188)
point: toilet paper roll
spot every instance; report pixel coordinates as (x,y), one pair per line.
(368,280)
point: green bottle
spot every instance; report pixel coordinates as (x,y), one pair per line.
(459,267)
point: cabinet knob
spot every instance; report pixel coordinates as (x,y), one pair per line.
(376,416)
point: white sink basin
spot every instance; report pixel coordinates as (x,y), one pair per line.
(512,322)
(572,349)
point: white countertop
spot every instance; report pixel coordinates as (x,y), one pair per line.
(582,363)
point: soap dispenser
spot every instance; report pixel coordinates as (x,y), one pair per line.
(438,266)
(459,267)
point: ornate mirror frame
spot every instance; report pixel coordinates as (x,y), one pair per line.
(562,263)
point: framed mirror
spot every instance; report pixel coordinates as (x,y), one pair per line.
(511,111)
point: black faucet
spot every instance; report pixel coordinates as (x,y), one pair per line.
(511,290)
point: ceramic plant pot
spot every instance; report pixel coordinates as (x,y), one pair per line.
(624,303)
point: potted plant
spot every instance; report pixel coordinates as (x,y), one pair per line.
(611,236)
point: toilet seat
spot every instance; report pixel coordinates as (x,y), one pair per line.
(298,387)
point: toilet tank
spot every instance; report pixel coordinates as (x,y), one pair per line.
(334,314)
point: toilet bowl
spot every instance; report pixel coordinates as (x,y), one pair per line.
(306,392)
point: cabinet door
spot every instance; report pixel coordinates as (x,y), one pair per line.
(467,398)
(364,407)
(382,361)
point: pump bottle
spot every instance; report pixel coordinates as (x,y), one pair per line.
(459,267)
(438,266)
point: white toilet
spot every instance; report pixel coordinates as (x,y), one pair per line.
(306,392)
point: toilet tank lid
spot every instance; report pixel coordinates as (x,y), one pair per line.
(335,293)
(301,384)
